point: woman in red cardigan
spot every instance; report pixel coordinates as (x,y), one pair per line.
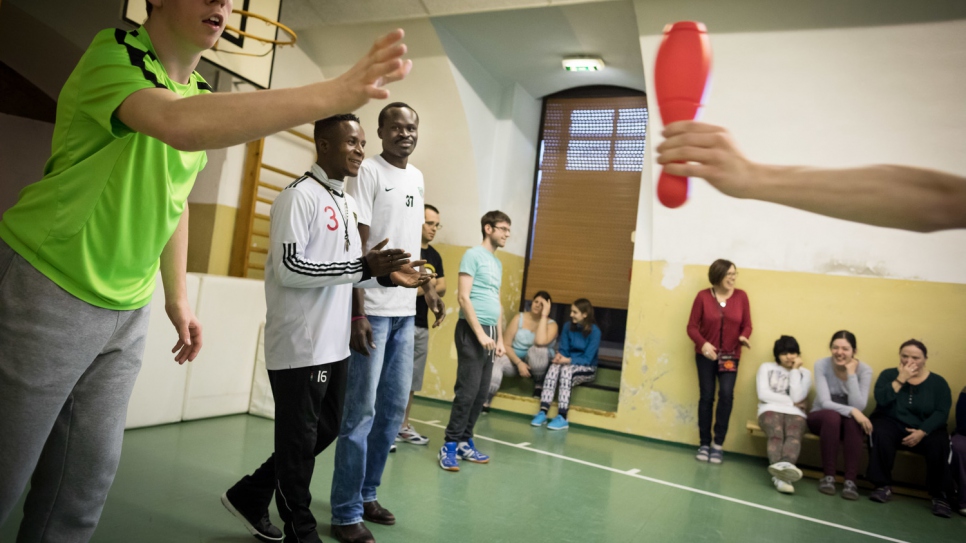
(720,324)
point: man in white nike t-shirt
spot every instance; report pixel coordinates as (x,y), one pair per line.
(389,195)
(314,258)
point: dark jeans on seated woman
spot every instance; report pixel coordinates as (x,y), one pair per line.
(959,466)
(886,440)
(835,430)
(707,374)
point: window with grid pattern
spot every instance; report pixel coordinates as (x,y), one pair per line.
(585,204)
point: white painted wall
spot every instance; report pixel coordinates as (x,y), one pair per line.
(445,152)
(220,182)
(827,97)
(511,188)
(504,122)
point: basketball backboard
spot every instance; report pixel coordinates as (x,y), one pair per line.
(257,70)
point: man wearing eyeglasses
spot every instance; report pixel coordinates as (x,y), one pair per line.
(479,335)
(434,264)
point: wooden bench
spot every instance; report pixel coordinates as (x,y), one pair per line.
(755,430)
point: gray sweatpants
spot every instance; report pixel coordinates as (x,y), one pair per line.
(473,367)
(66,373)
(538,361)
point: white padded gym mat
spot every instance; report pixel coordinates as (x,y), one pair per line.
(158,395)
(263,402)
(231,310)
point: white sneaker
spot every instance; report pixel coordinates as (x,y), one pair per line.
(410,435)
(786,471)
(782,486)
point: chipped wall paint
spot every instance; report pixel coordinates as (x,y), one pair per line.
(673,274)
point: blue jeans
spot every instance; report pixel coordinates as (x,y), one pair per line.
(376,395)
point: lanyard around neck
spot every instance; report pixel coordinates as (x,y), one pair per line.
(345,216)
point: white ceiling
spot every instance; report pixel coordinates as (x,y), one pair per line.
(514,44)
(306,14)
(527,46)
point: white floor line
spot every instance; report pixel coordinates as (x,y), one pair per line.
(674,485)
(523,445)
(634,471)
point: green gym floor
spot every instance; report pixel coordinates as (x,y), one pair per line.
(580,485)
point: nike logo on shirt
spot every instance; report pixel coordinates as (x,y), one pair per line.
(387,190)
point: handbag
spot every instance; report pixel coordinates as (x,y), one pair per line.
(727,361)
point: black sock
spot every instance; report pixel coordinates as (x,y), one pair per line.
(544,408)
(562,413)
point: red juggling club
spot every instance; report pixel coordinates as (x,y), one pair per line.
(681,79)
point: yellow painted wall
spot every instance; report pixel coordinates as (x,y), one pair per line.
(659,388)
(210,231)
(440,373)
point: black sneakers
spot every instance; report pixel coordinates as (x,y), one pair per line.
(882,494)
(941,509)
(262,528)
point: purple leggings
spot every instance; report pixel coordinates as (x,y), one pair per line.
(834,429)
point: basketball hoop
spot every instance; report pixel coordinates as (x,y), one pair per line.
(269,41)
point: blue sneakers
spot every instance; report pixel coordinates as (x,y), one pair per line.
(447,457)
(558,423)
(467,451)
(539,419)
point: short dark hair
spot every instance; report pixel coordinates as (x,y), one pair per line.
(431,208)
(584,306)
(785,345)
(917,344)
(150,7)
(384,114)
(543,294)
(847,336)
(323,126)
(492,218)
(718,270)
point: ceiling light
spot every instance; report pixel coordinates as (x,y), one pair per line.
(583,64)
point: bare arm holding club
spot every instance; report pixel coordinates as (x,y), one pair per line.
(902,197)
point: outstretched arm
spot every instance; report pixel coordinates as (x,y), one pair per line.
(214,121)
(903,197)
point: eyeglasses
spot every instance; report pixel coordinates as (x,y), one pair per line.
(504,229)
(434,225)
(732,274)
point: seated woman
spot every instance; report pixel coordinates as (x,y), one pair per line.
(527,340)
(959,451)
(912,406)
(574,364)
(782,389)
(841,394)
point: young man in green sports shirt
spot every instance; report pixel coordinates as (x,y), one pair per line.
(80,250)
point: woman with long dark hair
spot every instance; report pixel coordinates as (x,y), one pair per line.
(575,363)
(719,326)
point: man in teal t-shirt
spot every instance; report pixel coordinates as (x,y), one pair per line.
(81,248)
(479,335)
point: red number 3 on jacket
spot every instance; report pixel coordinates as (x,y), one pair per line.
(334,225)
